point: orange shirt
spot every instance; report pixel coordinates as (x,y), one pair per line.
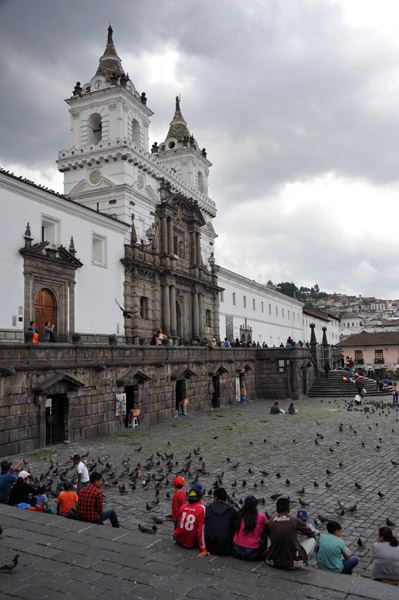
(67,501)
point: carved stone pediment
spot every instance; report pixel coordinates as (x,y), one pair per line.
(58,255)
(132,377)
(60,383)
(183,373)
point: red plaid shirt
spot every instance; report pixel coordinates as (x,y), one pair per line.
(90,503)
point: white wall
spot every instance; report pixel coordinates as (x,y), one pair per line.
(274,325)
(96,287)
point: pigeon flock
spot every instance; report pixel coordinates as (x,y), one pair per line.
(343,471)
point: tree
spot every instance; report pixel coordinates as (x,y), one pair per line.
(288,288)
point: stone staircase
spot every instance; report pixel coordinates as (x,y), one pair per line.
(335,387)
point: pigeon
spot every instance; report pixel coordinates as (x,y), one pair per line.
(358,486)
(302,502)
(157,520)
(287,481)
(126,313)
(275,496)
(278,475)
(328,472)
(394,462)
(352,508)
(144,529)
(390,523)
(244,483)
(323,519)
(360,543)
(328,485)
(302,491)
(381,495)
(315,484)
(8,567)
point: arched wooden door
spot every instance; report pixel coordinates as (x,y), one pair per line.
(45,310)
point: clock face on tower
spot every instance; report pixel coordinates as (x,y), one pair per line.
(95,177)
(98,84)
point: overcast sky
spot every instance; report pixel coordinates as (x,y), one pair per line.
(296,102)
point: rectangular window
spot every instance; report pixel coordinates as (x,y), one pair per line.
(270,309)
(221,296)
(276,311)
(50,230)
(99,250)
(253,304)
(379,357)
(359,357)
(244,301)
(282,313)
(144,307)
(234,298)
(262,307)
(288,314)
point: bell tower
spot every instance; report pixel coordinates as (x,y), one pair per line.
(181,153)
(109,124)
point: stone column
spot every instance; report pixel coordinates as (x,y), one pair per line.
(165,309)
(198,245)
(193,250)
(170,236)
(194,298)
(173,320)
(164,235)
(201,315)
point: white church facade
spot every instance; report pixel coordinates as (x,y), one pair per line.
(134,224)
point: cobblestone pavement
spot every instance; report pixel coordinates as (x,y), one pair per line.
(71,560)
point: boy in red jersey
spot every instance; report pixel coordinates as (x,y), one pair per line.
(191,520)
(179,498)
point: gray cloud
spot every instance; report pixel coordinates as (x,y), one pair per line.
(278,91)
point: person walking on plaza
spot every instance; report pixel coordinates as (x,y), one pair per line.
(285,551)
(332,553)
(83,477)
(90,503)
(326,368)
(395,393)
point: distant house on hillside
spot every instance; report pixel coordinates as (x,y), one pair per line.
(373,350)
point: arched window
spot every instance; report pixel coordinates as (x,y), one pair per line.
(208,319)
(136,133)
(94,128)
(201,186)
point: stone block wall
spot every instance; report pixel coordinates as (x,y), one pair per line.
(88,377)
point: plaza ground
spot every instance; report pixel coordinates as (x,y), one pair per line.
(65,559)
